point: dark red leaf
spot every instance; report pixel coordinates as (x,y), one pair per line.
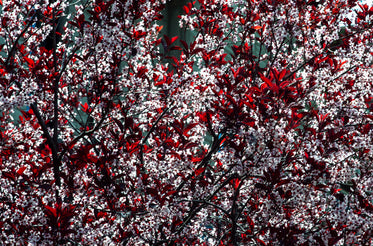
(188,128)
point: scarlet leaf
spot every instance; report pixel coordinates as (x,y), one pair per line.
(30,62)
(186,9)
(170,41)
(86,108)
(284,84)
(235,182)
(21,170)
(198,171)
(159,28)
(202,116)
(51,212)
(265,80)
(261,242)
(282,75)
(250,221)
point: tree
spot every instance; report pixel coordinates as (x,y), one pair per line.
(258,133)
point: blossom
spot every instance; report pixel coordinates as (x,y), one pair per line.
(258,130)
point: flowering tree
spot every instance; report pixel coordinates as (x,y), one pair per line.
(259,133)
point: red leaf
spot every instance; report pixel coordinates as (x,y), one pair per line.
(199,171)
(195,51)
(366,128)
(4,21)
(282,75)
(250,221)
(184,44)
(21,170)
(249,121)
(235,182)
(174,39)
(202,116)
(141,71)
(188,128)
(284,84)
(120,125)
(159,28)
(265,80)
(86,108)
(52,212)
(30,62)
(9,175)
(368,116)
(282,182)
(306,155)
(186,9)
(190,145)
(170,41)
(261,242)
(171,192)
(139,34)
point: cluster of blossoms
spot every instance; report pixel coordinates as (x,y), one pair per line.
(259,130)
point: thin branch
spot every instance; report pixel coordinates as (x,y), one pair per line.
(50,141)
(83,134)
(148,134)
(215,147)
(195,210)
(12,52)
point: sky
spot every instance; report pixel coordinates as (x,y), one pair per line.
(369,2)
